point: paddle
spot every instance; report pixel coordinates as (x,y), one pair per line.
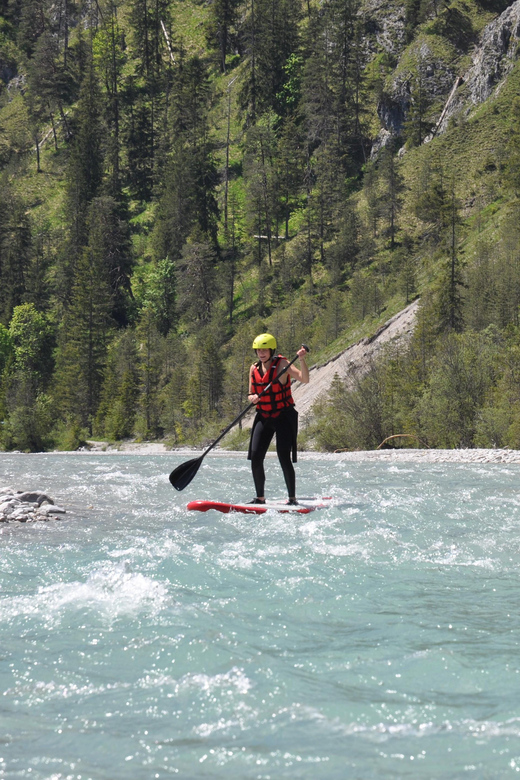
(183,474)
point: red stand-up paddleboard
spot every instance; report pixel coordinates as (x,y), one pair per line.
(303,507)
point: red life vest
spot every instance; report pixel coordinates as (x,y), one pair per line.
(278,397)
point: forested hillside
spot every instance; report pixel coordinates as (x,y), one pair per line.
(177,176)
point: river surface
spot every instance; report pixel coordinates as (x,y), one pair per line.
(378,638)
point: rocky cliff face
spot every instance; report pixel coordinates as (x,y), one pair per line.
(426,71)
(493,58)
(492,61)
(384,26)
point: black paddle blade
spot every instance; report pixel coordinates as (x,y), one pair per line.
(183,474)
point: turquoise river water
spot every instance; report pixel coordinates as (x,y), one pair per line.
(378,638)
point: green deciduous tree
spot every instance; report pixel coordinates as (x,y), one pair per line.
(29,418)
(461,376)
(32,338)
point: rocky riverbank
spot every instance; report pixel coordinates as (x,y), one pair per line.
(421,456)
(30,506)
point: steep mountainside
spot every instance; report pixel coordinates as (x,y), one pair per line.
(177,177)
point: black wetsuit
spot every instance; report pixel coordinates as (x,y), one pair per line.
(285,426)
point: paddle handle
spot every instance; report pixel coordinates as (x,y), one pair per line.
(248,408)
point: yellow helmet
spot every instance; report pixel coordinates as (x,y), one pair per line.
(264,341)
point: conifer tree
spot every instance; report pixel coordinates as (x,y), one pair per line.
(205,382)
(187,198)
(110,59)
(150,351)
(290,167)
(451,311)
(32,21)
(196,281)
(109,242)
(260,177)
(417,125)
(512,165)
(271,35)
(116,413)
(391,199)
(83,336)
(148,19)
(84,176)
(138,136)
(15,252)
(481,303)
(508,269)
(223,15)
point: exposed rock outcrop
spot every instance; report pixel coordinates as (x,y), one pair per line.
(384,26)
(428,73)
(492,61)
(26,507)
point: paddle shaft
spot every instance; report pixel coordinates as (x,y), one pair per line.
(247,409)
(183,474)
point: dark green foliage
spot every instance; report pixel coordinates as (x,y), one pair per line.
(205,383)
(196,282)
(115,418)
(150,351)
(270,38)
(109,243)
(153,204)
(187,198)
(220,28)
(15,252)
(138,136)
(28,364)
(450,289)
(6,348)
(31,21)
(83,338)
(84,175)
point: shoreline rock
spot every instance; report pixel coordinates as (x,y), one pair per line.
(28,506)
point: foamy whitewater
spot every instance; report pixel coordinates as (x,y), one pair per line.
(378,638)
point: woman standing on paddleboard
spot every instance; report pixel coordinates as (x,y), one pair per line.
(275,413)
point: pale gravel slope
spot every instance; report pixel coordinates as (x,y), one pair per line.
(355,360)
